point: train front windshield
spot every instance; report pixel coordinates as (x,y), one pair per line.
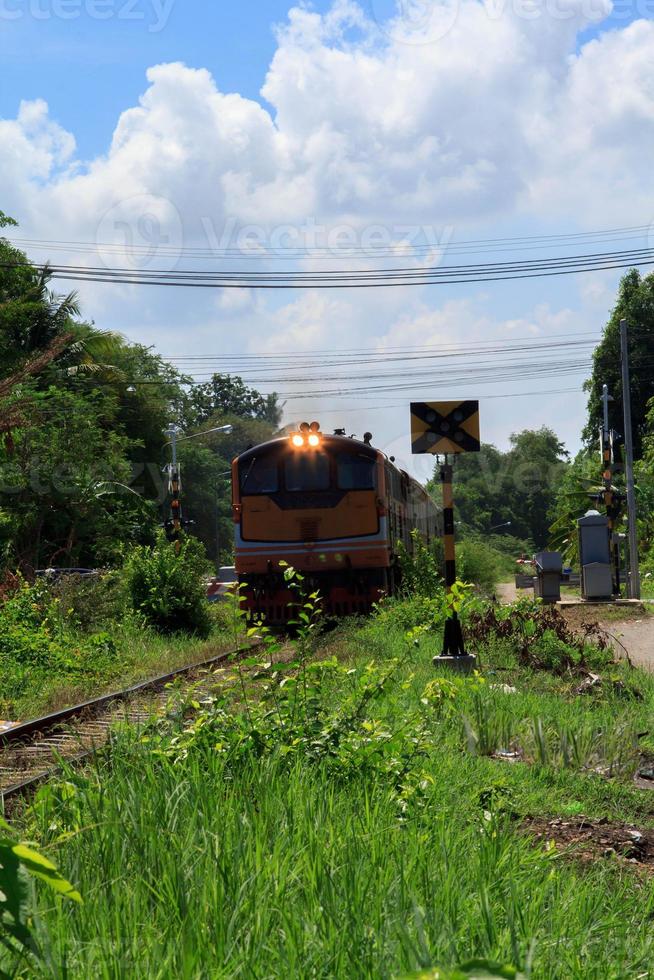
(259,475)
(307,472)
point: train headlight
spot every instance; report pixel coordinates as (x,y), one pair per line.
(297,440)
(314,439)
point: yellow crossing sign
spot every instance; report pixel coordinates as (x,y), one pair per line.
(445,427)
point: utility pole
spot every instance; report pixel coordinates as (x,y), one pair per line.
(634,573)
(612,506)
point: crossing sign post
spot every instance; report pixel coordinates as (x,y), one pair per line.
(444,428)
(447,429)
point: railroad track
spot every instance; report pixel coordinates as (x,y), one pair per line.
(33,751)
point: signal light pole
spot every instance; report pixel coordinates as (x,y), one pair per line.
(174,486)
(174,477)
(611,499)
(634,572)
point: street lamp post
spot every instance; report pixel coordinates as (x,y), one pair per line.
(174,476)
(498,526)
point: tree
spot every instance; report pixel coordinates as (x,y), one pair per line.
(31,315)
(644,473)
(147,393)
(227,394)
(635,303)
(64,483)
(478,480)
(573,499)
(206,480)
(494,488)
(83,416)
(536,464)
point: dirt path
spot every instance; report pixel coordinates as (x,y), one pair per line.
(631,628)
(637,638)
(506,592)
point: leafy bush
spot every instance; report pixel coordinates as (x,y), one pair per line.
(88,602)
(419,571)
(37,643)
(406,613)
(541,637)
(166,586)
(479,564)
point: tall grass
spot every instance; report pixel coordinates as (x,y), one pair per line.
(188,873)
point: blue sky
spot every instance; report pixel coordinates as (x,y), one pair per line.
(89,69)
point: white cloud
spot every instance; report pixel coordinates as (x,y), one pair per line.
(501,118)
(499,114)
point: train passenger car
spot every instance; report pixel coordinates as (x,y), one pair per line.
(334,508)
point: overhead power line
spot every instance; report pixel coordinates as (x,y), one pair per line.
(271,250)
(339,279)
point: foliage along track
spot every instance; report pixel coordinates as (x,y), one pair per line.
(32,752)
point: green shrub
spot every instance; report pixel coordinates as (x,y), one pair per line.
(90,602)
(540,637)
(479,564)
(166,586)
(554,654)
(406,613)
(38,643)
(419,571)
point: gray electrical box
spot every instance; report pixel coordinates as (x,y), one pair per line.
(595,556)
(597,581)
(549,569)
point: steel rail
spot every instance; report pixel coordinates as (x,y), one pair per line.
(24,735)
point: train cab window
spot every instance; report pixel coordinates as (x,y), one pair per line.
(259,475)
(355,472)
(307,471)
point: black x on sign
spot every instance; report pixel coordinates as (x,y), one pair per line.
(444,427)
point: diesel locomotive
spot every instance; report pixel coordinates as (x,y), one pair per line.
(331,506)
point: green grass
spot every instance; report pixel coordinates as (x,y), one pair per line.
(140,655)
(65,643)
(398,845)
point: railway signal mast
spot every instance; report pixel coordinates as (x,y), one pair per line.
(611,497)
(175,523)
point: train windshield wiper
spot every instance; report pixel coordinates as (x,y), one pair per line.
(247,475)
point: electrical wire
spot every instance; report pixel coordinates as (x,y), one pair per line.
(273,251)
(377,278)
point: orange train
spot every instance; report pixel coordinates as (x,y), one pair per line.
(334,508)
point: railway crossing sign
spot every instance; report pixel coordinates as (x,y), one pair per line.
(441,428)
